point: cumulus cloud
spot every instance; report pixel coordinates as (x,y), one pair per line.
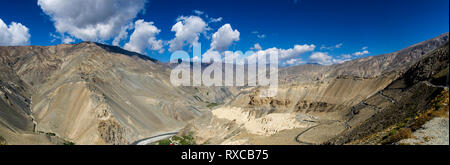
(13,34)
(62,38)
(294,52)
(283,54)
(187,31)
(364,52)
(68,40)
(321,58)
(214,20)
(224,37)
(144,37)
(123,34)
(257,46)
(294,61)
(346,56)
(93,20)
(342,58)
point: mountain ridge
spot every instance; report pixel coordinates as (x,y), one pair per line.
(91,93)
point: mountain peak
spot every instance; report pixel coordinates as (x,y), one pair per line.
(116,49)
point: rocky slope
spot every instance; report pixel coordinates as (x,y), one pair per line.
(317,104)
(402,100)
(368,67)
(91,93)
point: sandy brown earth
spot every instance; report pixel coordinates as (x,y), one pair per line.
(89,93)
(343,104)
(434,132)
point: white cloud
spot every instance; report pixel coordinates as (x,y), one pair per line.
(339,61)
(68,40)
(187,31)
(321,58)
(93,20)
(294,61)
(198,12)
(294,52)
(14,34)
(364,52)
(123,34)
(337,46)
(224,37)
(144,37)
(342,58)
(346,56)
(258,34)
(257,46)
(283,54)
(62,38)
(214,20)
(195,59)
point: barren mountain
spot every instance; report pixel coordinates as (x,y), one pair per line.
(90,93)
(316,104)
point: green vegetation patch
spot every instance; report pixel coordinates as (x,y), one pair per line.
(442,73)
(3,141)
(50,134)
(68,143)
(177,140)
(212,105)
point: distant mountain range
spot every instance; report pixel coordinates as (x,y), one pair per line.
(90,93)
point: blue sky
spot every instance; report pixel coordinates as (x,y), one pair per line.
(335,27)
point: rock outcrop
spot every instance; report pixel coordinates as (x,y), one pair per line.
(90,93)
(345,102)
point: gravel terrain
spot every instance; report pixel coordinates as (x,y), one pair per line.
(434,132)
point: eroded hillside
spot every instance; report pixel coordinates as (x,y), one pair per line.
(96,94)
(330,104)
(90,93)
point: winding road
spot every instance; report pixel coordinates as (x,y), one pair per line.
(436,86)
(312,127)
(301,133)
(155,138)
